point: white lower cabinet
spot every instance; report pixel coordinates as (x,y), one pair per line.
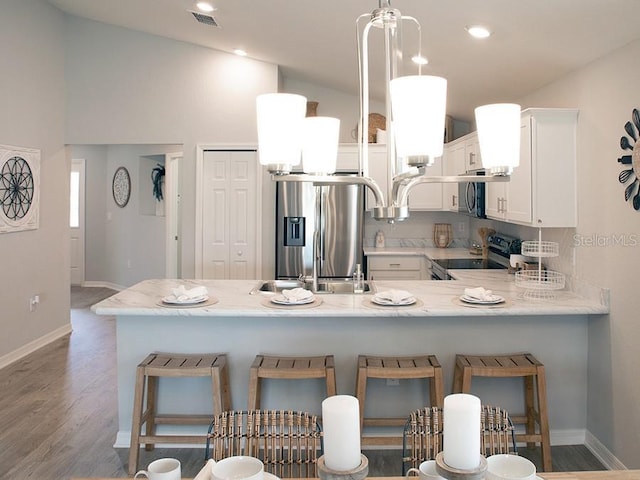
(396,267)
(542,189)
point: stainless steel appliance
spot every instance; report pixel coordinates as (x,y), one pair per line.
(500,247)
(335,212)
(471,197)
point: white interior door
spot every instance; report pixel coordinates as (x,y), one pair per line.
(229,215)
(76,221)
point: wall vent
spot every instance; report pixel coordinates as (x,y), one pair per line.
(206,19)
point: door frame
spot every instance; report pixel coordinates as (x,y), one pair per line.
(199,210)
(79,165)
(173,168)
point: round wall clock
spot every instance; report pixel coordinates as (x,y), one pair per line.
(121,186)
(631,176)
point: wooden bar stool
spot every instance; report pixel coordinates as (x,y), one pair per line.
(411,367)
(522,365)
(292,368)
(158,365)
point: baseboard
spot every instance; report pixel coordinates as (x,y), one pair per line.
(602,453)
(31,347)
(110,285)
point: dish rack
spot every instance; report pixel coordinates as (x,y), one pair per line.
(540,284)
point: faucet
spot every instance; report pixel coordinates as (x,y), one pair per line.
(316,261)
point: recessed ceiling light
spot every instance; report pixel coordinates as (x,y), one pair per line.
(419,60)
(205,7)
(240,52)
(478,31)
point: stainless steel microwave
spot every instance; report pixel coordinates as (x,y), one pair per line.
(471,196)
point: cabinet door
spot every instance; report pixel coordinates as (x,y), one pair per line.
(473,161)
(519,192)
(428,196)
(378,171)
(453,163)
(495,199)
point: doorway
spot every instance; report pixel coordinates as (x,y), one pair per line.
(77,221)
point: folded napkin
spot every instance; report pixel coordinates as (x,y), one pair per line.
(181,294)
(478,293)
(296,294)
(205,473)
(394,296)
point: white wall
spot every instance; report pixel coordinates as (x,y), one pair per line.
(606,92)
(32,98)
(126,87)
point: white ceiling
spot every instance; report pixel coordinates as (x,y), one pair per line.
(535,41)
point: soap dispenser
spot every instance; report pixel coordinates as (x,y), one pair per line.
(379,239)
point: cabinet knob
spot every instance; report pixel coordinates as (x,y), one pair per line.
(239,253)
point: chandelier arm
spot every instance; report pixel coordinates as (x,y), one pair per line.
(363,73)
(336,180)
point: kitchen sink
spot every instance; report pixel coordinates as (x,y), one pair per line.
(324,286)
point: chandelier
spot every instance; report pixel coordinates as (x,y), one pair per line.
(415,112)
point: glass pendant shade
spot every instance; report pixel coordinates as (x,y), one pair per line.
(279,117)
(498,127)
(418,106)
(320,144)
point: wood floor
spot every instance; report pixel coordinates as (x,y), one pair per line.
(58,411)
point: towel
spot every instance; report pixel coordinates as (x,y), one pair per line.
(394,296)
(478,293)
(205,473)
(296,294)
(181,294)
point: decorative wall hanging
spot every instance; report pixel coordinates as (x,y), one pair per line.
(121,187)
(19,188)
(632,189)
(157,177)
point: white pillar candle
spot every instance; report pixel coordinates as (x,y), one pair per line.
(341,427)
(461,424)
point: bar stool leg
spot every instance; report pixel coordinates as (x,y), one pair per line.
(331,381)
(150,416)
(436,389)
(253,402)
(361,386)
(136,424)
(543,418)
(530,408)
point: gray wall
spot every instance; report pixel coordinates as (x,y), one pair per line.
(606,92)
(180,94)
(32,91)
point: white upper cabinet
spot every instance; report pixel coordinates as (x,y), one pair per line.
(453,164)
(428,196)
(472,157)
(542,189)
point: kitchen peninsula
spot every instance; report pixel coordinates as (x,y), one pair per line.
(243,324)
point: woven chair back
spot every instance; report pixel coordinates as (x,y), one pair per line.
(422,437)
(288,443)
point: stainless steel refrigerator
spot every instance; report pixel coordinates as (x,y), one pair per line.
(335,212)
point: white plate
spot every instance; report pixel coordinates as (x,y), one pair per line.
(491,301)
(282,300)
(171,300)
(391,303)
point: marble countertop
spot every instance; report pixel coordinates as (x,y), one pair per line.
(435,299)
(429,252)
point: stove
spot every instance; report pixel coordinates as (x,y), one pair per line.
(500,247)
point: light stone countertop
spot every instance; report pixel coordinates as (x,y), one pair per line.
(435,299)
(429,252)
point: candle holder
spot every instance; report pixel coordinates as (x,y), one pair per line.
(451,473)
(358,473)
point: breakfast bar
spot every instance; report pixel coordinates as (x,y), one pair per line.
(243,324)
